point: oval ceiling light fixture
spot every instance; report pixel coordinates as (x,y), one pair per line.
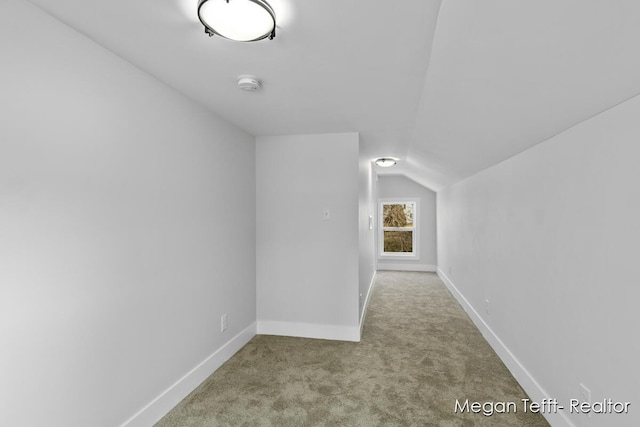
(385,162)
(249,83)
(240,20)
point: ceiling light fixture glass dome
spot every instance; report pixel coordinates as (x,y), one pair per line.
(240,20)
(386,162)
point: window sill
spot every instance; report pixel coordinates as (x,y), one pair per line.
(398,256)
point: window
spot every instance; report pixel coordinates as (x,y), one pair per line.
(398,228)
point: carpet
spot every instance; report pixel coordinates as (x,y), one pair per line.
(419,353)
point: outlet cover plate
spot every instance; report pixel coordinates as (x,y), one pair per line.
(585,396)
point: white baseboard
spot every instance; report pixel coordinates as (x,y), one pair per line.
(366,301)
(168,399)
(309,330)
(520,373)
(396,266)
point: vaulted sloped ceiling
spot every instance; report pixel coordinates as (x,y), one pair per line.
(506,75)
(450,87)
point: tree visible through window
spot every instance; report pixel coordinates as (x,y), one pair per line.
(398,228)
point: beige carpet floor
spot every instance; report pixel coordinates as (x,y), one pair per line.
(419,353)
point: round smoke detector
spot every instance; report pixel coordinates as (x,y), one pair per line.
(249,83)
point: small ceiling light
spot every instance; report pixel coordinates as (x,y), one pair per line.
(240,20)
(385,162)
(249,83)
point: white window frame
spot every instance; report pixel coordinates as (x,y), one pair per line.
(381,229)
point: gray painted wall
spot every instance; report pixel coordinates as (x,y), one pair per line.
(307,268)
(550,239)
(399,186)
(367,209)
(127,219)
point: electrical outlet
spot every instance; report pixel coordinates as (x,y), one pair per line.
(224,323)
(486,306)
(585,396)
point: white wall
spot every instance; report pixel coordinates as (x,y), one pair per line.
(399,186)
(367,200)
(123,236)
(307,268)
(550,237)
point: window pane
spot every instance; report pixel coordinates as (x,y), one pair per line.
(398,241)
(397,215)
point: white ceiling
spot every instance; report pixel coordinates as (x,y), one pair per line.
(449,88)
